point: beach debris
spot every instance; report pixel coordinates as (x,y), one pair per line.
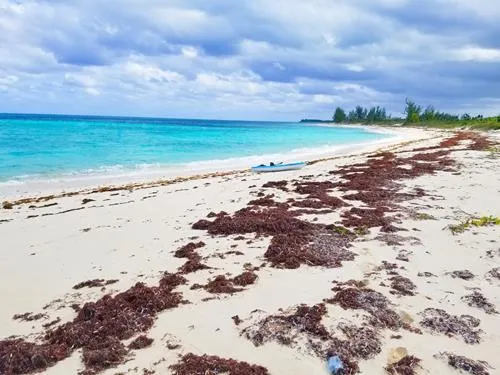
(423,216)
(236,320)
(374,303)
(281,185)
(193,263)
(267,201)
(221,284)
(462,274)
(141,342)
(440,321)
(95,283)
(476,299)
(294,241)
(303,324)
(286,328)
(7,205)
(99,329)
(317,195)
(474,367)
(335,365)
(426,274)
(474,222)
(494,273)
(29,317)
(87,200)
(407,365)
(191,364)
(246,278)
(402,286)
(51,323)
(396,355)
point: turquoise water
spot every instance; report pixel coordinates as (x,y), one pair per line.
(46,146)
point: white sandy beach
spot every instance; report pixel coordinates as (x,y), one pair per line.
(130,235)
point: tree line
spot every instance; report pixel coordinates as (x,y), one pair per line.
(414,114)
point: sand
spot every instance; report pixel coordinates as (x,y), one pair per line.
(131,235)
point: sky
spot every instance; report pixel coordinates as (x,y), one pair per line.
(247,59)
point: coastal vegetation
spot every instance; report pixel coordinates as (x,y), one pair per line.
(474,222)
(414,115)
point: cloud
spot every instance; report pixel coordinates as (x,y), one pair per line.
(252,59)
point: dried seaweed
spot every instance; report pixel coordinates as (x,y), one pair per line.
(462,274)
(98,329)
(246,278)
(440,321)
(95,283)
(102,355)
(29,317)
(402,286)
(236,320)
(21,357)
(51,323)
(304,323)
(375,303)
(468,365)
(281,185)
(193,263)
(186,250)
(476,299)
(220,284)
(141,342)
(192,364)
(494,273)
(285,328)
(294,241)
(405,366)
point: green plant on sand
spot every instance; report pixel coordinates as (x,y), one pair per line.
(474,222)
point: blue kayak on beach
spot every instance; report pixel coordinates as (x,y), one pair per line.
(278,167)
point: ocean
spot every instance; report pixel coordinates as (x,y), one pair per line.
(42,147)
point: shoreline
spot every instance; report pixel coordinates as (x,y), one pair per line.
(203,169)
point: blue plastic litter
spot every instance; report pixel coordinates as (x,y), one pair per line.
(335,365)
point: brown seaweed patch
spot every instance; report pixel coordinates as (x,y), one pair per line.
(474,367)
(21,357)
(98,329)
(462,274)
(476,299)
(281,185)
(374,303)
(304,323)
(405,366)
(95,283)
(193,263)
(494,273)
(402,286)
(294,241)
(246,278)
(188,249)
(29,317)
(220,284)
(440,321)
(141,342)
(192,364)
(286,328)
(100,356)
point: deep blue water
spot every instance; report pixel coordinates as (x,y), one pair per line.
(39,146)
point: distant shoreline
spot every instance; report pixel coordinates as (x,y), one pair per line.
(200,170)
